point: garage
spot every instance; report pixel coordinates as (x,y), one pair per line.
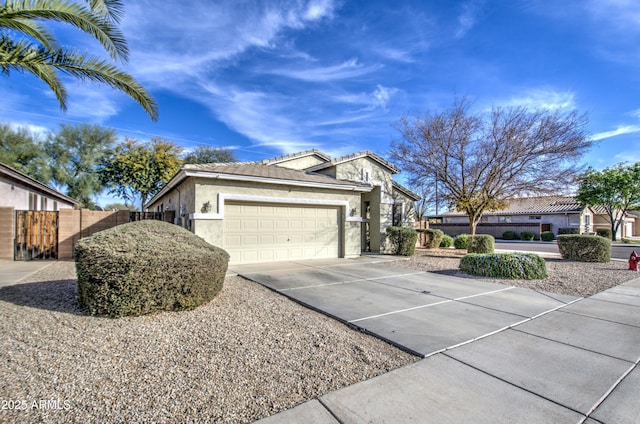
(258,232)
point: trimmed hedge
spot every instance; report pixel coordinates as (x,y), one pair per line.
(568,230)
(509,235)
(604,232)
(447,241)
(431,238)
(547,236)
(147,266)
(584,248)
(522,266)
(481,243)
(461,241)
(527,235)
(403,239)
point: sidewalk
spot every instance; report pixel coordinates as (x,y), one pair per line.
(573,365)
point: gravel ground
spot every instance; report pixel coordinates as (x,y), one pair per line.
(565,277)
(247,354)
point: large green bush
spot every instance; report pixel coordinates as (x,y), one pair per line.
(447,241)
(481,243)
(431,238)
(568,230)
(461,241)
(524,266)
(547,236)
(509,235)
(403,240)
(584,248)
(147,266)
(527,236)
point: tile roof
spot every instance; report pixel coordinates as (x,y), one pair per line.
(536,205)
(273,172)
(16,175)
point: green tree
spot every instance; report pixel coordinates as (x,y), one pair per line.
(22,149)
(74,153)
(139,170)
(615,189)
(208,154)
(479,161)
(118,207)
(27,46)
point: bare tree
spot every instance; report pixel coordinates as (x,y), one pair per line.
(480,161)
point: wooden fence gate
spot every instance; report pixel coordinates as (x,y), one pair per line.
(36,235)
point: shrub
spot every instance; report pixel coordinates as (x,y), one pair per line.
(525,266)
(584,248)
(604,232)
(481,243)
(432,238)
(509,235)
(461,241)
(147,266)
(447,241)
(403,240)
(547,236)
(527,235)
(568,230)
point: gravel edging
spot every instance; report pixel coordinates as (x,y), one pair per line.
(565,277)
(247,354)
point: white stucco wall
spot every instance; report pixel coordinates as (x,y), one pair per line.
(13,194)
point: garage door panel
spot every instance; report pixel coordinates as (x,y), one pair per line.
(264,233)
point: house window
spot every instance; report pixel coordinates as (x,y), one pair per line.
(43,203)
(33,201)
(366,175)
(397,214)
(55,205)
(532,217)
(504,219)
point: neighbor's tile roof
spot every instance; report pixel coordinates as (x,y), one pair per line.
(536,205)
(274,172)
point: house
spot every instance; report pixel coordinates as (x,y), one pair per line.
(539,214)
(21,192)
(298,206)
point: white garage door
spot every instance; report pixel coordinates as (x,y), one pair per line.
(255,232)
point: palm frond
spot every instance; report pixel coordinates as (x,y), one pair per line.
(43,63)
(30,29)
(26,57)
(98,26)
(112,9)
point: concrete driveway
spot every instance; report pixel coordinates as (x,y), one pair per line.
(492,353)
(423,313)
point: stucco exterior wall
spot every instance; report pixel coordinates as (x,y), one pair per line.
(210,225)
(13,194)
(181,200)
(300,163)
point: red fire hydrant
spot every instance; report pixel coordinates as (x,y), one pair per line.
(633,261)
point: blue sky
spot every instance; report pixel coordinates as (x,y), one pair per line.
(272,77)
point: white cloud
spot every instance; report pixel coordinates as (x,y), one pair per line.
(345,70)
(468,18)
(541,98)
(167,41)
(621,130)
(94,102)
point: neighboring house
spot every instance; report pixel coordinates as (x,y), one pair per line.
(298,206)
(21,192)
(550,212)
